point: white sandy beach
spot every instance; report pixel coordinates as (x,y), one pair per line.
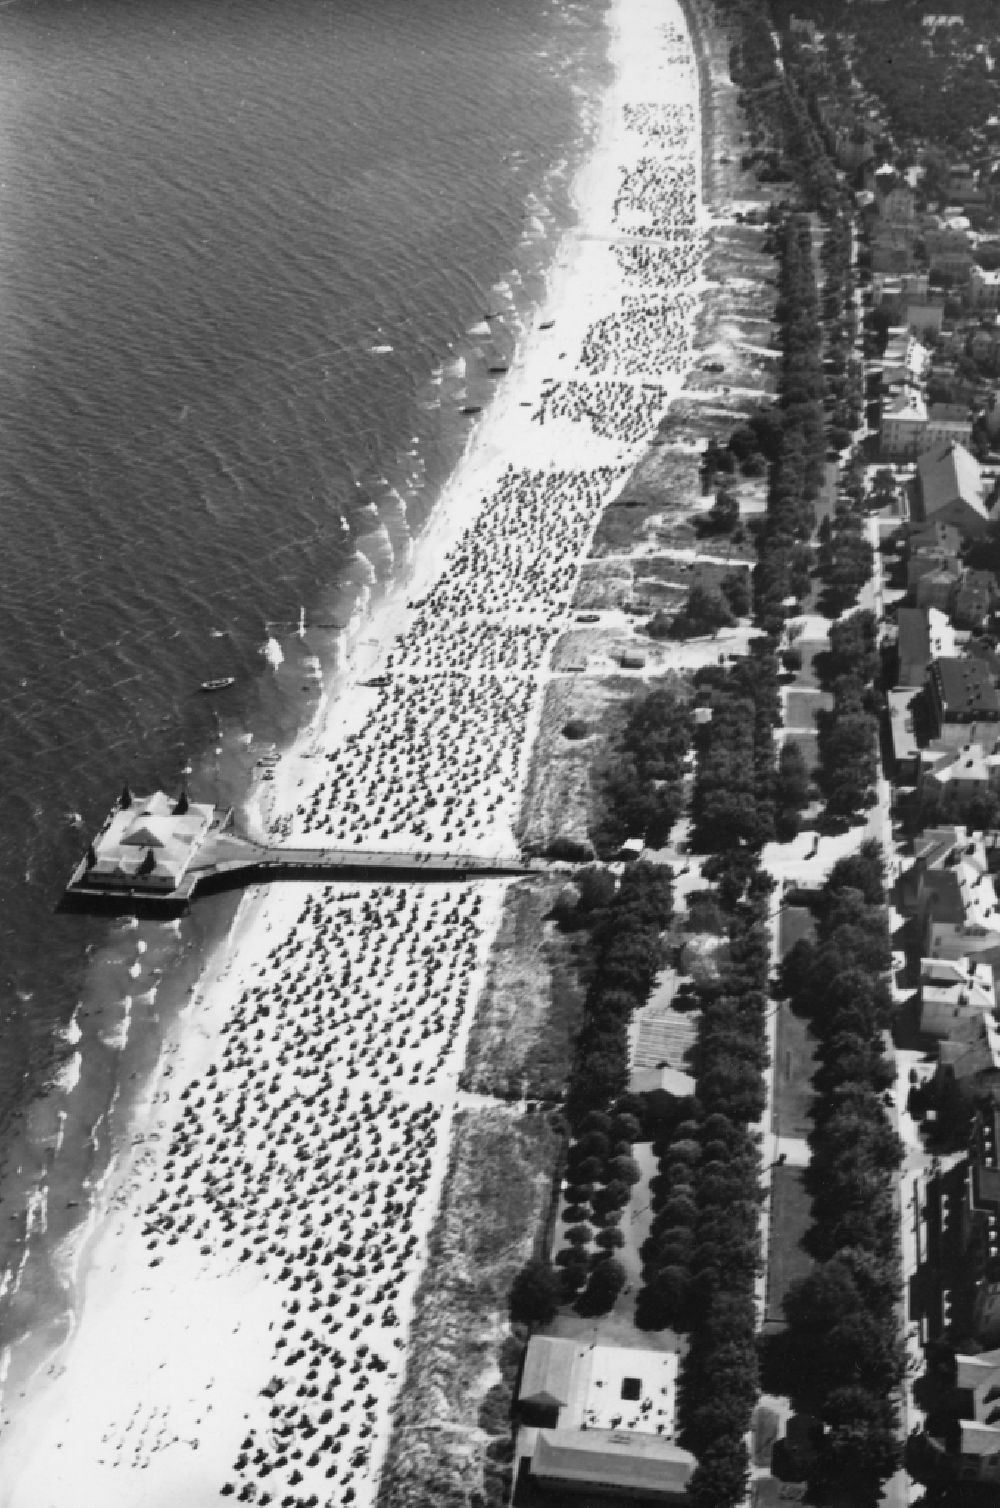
(244,1296)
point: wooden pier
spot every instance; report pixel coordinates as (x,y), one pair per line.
(132,865)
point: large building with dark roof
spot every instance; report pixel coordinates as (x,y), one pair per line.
(950,488)
(963,697)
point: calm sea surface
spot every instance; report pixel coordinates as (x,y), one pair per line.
(244,245)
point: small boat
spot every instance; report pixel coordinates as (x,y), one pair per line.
(471,408)
(219,684)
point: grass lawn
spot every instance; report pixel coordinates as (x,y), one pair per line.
(790,1219)
(794,1068)
(808,744)
(806,678)
(801,708)
(769,1493)
(794,923)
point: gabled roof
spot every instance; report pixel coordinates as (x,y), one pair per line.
(548,1371)
(965,688)
(978,1439)
(973,1371)
(947,473)
(914,637)
(614,1459)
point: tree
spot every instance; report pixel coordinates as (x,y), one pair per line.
(613,1196)
(705,612)
(624,1168)
(534,1294)
(606,1282)
(611,1238)
(735,587)
(861,1448)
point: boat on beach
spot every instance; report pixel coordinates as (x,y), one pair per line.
(220,683)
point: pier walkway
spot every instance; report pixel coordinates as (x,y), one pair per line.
(135,863)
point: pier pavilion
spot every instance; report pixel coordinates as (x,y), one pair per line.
(155,852)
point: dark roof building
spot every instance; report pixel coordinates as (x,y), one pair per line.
(913,645)
(950,488)
(961,693)
(619,1463)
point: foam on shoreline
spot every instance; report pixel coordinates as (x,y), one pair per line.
(245,1290)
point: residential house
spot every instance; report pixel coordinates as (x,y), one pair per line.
(974,599)
(906,361)
(964,700)
(891,293)
(913,646)
(971,1054)
(948,884)
(976,1441)
(903,425)
(892,249)
(934,547)
(922,636)
(901,704)
(853,148)
(804,29)
(983,291)
(947,421)
(923,316)
(952,991)
(948,252)
(895,203)
(950,488)
(983,345)
(965,773)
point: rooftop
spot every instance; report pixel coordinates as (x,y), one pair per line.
(613,1458)
(965,689)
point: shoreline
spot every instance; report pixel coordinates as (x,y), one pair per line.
(481,466)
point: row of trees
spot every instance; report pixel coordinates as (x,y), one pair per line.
(841,1357)
(733,799)
(784,556)
(643,790)
(700,1260)
(624,926)
(848,732)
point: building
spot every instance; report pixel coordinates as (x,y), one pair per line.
(895,202)
(903,734)
(949,253)
(148,843)
(948,886)
(964,700)
(951,992)
(892,249)
(903,427)
(906,362)
(950,488)
(923,316)
(892,293)
(974,599)
(968,771)
(616,1463)
(601,1419)
(913,646)
(984,288)
(928,548)
(947,422)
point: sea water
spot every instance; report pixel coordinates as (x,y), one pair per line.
(256,256)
